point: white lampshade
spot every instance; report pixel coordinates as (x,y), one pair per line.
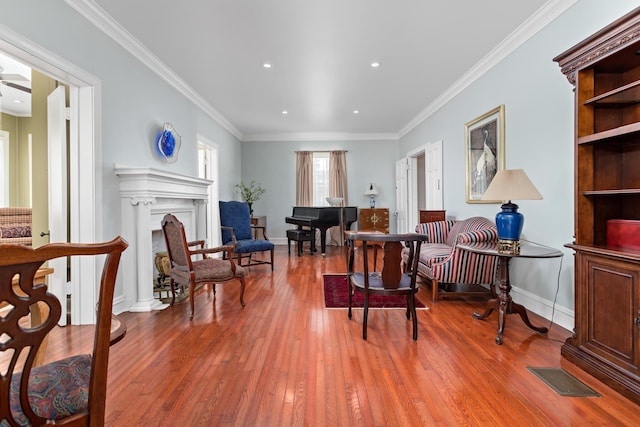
(511,184)
(371,190)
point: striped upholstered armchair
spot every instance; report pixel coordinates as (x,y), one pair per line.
(450,269)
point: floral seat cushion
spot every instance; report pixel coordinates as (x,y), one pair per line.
(56,390)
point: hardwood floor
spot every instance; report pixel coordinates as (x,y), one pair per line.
(286,360)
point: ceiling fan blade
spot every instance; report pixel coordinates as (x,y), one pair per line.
(16,86)
(13,77)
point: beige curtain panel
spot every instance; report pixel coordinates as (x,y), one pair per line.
(338,188)
(304,178)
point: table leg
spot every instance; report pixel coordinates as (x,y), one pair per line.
(517,308)
(504,303)
(350,255)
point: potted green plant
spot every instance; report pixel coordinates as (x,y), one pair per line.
(250,193)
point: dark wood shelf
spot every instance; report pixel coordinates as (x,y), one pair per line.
(609,98)
(610,134)
(628,191)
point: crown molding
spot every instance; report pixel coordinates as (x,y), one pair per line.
(304,136)
(536,22)
(103,21)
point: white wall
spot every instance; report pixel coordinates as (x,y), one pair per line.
(539,138)
(273,164)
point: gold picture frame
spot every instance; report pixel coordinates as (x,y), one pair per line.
(484,153)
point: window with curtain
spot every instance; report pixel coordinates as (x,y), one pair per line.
(320,174)
(320,178)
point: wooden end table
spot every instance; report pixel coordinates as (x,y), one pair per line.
(503,303)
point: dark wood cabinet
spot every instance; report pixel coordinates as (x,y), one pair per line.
(432,216)
(376,219)
(605,69)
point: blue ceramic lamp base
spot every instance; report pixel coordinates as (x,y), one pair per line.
(509,223)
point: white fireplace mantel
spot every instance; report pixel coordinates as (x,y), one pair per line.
(146,195)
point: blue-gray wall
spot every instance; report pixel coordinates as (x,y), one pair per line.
(273,164)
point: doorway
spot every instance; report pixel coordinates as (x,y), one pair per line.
(419,185)
(84,171)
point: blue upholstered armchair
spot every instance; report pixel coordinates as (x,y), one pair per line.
(237,231)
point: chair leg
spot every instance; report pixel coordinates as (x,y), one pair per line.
(241,279)
(365,316)
(271,259)
(408,306)
(434,290)
(192,289)
(289,245)
(412,306)
(350,290)
(173,292)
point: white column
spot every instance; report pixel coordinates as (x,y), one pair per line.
(201,220)
(143,242)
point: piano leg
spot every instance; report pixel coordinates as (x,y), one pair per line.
(323,240)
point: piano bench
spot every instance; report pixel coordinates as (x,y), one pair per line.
(300,236)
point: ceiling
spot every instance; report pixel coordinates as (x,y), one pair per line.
(14,101)
(321,54)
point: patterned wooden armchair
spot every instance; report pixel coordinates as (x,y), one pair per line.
(237,231)
(186,271)
(451,270)
(69,391)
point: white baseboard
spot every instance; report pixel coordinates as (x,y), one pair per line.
(561,316)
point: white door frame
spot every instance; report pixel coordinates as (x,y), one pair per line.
(433,183)
(85,165)
(211,173)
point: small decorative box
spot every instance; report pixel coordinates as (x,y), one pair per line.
(623,233)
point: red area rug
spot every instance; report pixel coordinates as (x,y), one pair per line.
(336,296)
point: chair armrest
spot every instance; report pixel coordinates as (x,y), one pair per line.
(205,251)
(260,227)
(436,231)
(196,243)
(486,235)
(118,329)
(233,233)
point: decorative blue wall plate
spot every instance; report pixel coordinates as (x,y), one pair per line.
(169,142)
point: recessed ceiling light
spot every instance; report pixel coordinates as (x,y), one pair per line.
(266,65)
(375,64)
(285,112)
(17,101)
(356,111)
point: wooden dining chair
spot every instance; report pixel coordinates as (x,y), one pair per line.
(391,281)
(70,391)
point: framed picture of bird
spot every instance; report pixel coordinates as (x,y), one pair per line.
(484,153)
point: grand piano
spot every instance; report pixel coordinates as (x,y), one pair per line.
(323,218)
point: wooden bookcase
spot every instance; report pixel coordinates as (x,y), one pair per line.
(605,70)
